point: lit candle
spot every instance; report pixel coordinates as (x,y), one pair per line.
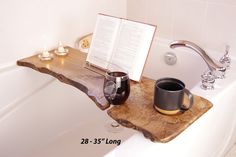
(45,53)
(61,49)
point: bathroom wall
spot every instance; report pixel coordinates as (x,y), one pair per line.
(209,23)
(29,25)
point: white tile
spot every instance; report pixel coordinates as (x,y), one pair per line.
(137,10)
(221,26)
(160,14)
(189,18)
(230,2)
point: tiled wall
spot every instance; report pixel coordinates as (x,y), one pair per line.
(209,23)
(29,25)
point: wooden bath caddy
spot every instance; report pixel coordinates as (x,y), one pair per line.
(137,112)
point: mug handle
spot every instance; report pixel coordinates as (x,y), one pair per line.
(190,97)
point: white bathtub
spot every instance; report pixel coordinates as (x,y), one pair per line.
(53,120)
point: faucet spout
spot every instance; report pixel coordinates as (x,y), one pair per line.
(213,65)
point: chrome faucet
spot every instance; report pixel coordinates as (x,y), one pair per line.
(213,65)
(217,69)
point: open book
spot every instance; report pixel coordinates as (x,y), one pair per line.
(121,42)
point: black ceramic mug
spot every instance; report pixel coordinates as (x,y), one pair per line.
(169,96)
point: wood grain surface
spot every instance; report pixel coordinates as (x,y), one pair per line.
(137,112)
(70,70)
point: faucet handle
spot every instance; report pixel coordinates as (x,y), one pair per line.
(219,74)
(208,80)
(225,60)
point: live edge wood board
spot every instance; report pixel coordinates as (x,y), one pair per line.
(137,112)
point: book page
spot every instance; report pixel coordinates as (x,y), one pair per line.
(103,40)
(132,47)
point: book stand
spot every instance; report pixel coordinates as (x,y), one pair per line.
(94,68)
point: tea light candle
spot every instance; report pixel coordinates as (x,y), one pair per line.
(61,49)
(45,53)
